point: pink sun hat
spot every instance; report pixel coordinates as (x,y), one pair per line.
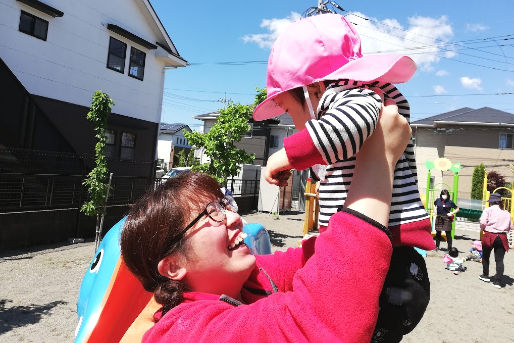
(324,47)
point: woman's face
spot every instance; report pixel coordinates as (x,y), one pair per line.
(215,262)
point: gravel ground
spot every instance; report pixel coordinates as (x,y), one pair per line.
(39,289)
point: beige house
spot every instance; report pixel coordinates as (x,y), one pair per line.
(467,136)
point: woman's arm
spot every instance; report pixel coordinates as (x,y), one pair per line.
(335,295)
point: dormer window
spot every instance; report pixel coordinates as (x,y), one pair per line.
(32,25)
(117,54)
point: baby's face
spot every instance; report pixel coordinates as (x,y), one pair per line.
(299,113)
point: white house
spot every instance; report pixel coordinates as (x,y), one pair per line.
(171,141)
(56,54)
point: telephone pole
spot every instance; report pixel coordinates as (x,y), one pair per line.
(322,7)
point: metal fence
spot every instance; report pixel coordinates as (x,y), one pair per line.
(36,192)
(25,192)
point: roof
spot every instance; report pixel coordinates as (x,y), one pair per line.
(167,46)
(172,128)
(206,116)
(285,119)
(468,116)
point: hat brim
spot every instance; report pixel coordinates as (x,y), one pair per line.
(368,68)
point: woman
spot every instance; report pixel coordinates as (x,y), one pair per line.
(444,217)
(495,222)
(185,244)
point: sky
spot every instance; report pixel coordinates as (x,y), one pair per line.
(464,50)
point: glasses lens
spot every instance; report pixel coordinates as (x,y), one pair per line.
(215,211)
(229,203)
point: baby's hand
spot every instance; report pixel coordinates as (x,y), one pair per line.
(277,169)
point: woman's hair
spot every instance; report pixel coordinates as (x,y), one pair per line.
(151,227)
(454,252)
(444,192)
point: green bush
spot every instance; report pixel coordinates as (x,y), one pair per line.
(477,182)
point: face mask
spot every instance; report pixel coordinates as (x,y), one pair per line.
(444,197)
(308,101)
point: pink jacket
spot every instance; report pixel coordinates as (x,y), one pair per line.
(495,220)
(330,295)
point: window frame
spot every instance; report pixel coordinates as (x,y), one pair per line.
(122,71)
(506,134)
(130,63)
(273,144)
(34,18)
(249,133)
(110,147)
(122,146)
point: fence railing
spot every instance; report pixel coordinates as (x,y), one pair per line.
(32,192)
(21,192)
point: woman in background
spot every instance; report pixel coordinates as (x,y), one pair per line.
(495,222)
(444,217)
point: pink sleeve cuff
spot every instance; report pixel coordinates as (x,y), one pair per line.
(301,151)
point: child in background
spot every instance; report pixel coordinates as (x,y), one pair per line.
(334,94)
(453,263)
(475,253)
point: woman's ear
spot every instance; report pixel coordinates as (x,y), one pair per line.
(172,267)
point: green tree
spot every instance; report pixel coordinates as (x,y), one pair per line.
(261,95)
(219,142)
(97,179)
(477,182)
(182,158)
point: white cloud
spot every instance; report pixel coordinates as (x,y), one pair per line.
(510,82)
(441,73)
(476,27)
(424,39)
(274,26)
(438,89)
(471,83)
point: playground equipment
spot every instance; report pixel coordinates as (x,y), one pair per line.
(441,164)
(111,298)
(311,207)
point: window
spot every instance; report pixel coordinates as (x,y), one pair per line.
(273,141)
(32,25)
(137,63)
(505,141)
(117,53)
(110,143)
(249,133)
(128,144)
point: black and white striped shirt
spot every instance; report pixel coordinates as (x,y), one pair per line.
(348,114)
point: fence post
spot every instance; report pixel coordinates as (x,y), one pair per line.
(21,191)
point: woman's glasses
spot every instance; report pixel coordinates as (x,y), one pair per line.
(215,211)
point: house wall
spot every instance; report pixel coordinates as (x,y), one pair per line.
(467,145)
(281,132)
(167,142)
(71,64)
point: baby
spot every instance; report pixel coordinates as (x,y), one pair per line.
(475,253)
(453,263)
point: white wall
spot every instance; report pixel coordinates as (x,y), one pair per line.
(268,195)
(164,147)
(166,141)
(71,65)
(281,132)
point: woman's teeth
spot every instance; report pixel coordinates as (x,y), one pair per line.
(238,241)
